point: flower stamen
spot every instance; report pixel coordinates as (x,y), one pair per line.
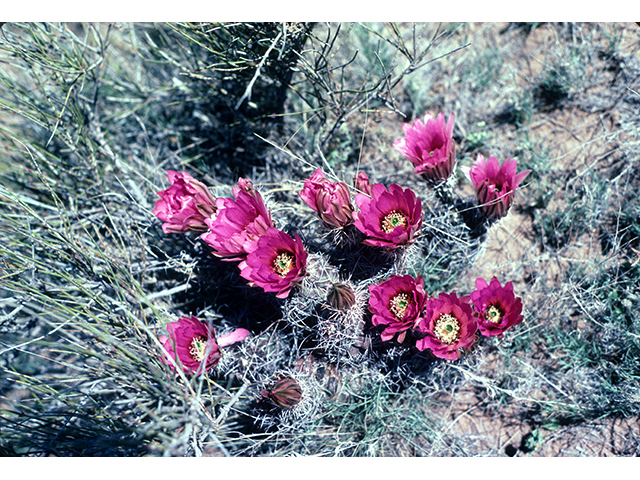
(392,220)
(447,329)
(198,348)
(493,314)
(399,305)
(284,263)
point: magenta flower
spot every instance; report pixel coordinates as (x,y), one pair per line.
(496,184)
(331,200)
(193,343)
(388,218)
(233,233)
(429,146)
(398,303)
(361,182)
(449,325)
(497,307)
(276,264)
(185,205)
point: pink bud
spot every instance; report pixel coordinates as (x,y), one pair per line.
(331,200)
(341,296)
(361,182)
(240,221)
(285,393)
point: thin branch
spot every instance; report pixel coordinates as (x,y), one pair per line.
(247,92)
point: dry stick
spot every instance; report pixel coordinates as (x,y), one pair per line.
(300,128)
(324,160)
(584,310)
(14,312)
(284,150)
(284,40)
(64,107)
(533,369)
(364,130)
(227,407)
(386,82)
(343,118)
(247,92)
(167,292)
(412,66)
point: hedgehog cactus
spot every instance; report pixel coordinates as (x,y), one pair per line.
(350,307)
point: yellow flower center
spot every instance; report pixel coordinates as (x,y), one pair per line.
(493,314)
(447,329)
(399,305)
(198,348)
(284,263)
(392,220)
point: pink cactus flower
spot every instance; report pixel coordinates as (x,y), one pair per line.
(398,303)
(233,233)
(276,264)
(331,200)
(185,205)
(389,218)
(449,324)
(193,343)
(430,147)
(361,182)
(497,307)
(496,184)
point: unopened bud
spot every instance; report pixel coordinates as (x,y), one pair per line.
(285,393)
(361,182)
(331,200)
(246,186)
(341,297)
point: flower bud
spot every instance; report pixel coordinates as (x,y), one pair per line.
(331,200)
(341,297)
(247,187)
(240,222)
(361,182)
(285,393)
